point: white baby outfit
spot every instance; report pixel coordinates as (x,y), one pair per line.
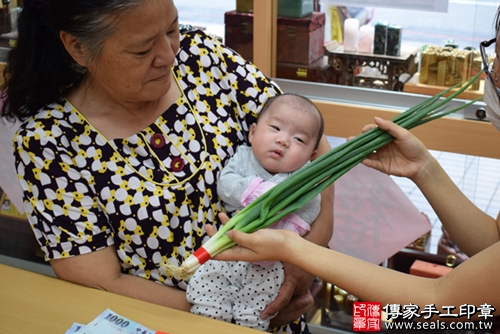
(238,291)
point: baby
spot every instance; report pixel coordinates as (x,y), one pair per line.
(284,138)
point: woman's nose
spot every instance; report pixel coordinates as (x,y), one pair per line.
(165,55)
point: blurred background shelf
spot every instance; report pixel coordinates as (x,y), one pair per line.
(414,86)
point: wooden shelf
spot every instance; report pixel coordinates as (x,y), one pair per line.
(414,86)
(446,134)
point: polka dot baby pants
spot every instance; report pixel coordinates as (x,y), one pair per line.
(236,291)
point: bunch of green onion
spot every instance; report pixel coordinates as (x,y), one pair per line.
(312,179)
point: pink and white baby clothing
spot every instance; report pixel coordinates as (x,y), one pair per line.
(238,291)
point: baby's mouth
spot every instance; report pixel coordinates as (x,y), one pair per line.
(278,153)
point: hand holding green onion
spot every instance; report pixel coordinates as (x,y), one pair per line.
(313,178)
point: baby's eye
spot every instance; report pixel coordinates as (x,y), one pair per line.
(299,140)
(274,127)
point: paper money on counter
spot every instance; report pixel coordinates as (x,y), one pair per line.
(75,328)
(109,322)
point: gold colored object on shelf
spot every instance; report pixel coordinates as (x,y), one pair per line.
(448,66)
(450,260)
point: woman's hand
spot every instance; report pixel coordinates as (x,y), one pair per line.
(261,245)
(211,230)
(257,246)
(404,156)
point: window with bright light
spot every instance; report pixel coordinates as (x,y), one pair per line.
(466,22)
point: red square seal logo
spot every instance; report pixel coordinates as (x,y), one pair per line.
(366,317)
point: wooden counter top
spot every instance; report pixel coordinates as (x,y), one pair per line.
(35,303)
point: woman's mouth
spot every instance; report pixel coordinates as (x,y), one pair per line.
(161,78)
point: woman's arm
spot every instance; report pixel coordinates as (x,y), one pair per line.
(375,283)
(101,270)
(469,227)
(472,229)
(98,269)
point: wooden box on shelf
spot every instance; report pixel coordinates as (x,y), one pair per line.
(299,40)
(317,71)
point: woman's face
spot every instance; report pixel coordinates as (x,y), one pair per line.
(496,62)
(136,60)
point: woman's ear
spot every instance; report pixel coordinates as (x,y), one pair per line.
(74,48)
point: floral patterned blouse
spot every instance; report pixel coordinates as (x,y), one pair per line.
(151,194)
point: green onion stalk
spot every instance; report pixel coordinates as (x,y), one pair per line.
(292,193)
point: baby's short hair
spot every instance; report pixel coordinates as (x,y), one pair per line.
(300,102)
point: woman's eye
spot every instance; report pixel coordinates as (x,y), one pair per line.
(173,29)
(143,53)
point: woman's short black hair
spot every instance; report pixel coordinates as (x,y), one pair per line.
(39,69)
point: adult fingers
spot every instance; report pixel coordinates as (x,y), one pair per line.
(393,129)
(283,299)
(210,230)
(223,217)
(298,305)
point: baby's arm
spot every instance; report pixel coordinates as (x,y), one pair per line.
(310,211)
(298,221)
(232,183)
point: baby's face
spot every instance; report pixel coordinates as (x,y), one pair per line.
(284,138)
